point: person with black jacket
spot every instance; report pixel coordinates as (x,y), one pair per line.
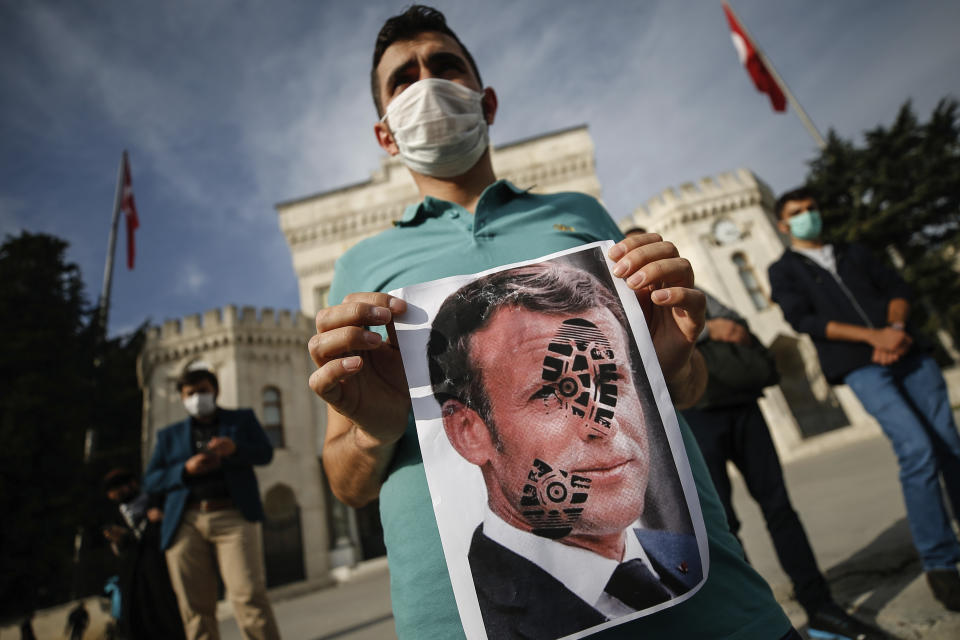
(728,425)
(856,310)
(148,604)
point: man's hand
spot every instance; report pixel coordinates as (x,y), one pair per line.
(114,533)
(674,310)
(895,341)
(889,345)
(154,514)
(358,373)
(222,446)
(727,330)
(201,463)
(884,357)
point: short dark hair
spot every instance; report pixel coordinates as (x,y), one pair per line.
(407,26)
(192,377)
(119,477)
(547,287)
(800,193)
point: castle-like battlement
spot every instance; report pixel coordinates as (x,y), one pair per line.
(229,318)
(708,196)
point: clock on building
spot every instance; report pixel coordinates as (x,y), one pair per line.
(725,231)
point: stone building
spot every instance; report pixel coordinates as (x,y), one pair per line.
(723,224)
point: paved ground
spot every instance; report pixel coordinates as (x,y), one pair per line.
(848,498)
(850,502)
(358,609)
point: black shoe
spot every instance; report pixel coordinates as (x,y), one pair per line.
(830,622)
(945,584)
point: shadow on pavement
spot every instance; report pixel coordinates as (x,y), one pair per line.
(882,569)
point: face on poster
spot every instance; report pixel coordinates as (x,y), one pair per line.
(559,481)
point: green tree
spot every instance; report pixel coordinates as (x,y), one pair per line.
(899,193)
(61,378)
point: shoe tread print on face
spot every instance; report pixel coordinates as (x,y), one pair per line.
(580,373)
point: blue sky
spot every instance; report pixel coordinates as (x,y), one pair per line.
(229,107)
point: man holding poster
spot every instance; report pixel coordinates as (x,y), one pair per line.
(434,111)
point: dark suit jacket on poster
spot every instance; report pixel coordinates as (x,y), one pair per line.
(174,446)
(518,599)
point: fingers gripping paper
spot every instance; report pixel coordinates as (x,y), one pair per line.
(555,464)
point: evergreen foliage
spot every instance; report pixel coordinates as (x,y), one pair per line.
(61,377)
(899,193)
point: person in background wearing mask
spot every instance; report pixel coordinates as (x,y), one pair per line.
(856,310)
(433,111)
(212,513)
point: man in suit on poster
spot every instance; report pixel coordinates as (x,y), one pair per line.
(561,440)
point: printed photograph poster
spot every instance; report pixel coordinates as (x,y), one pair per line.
(555,464)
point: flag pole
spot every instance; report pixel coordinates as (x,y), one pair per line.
(804,118)
(111,246)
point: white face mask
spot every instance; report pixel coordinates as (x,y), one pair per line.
(200,405)
(439,127)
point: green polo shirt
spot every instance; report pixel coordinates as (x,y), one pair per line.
(436,239)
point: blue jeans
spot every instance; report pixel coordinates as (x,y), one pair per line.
(909,400)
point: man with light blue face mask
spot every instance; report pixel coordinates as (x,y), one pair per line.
(856,310)
(434,111)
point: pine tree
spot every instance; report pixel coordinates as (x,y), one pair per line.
(899,193)
(61,377)
(44,360)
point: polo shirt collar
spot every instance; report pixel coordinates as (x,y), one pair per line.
(430,207)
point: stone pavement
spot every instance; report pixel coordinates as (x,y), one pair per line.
(850,503)
(848,498)
(358,609)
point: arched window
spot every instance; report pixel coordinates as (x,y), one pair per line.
(749,279)
(273,416)
(282,536)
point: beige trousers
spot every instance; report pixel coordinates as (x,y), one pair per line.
(239,553)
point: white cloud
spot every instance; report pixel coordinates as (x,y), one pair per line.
(191,280)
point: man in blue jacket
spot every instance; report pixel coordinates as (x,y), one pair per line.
(856,310)
(204,465)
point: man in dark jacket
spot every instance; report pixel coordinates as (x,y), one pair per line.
(728,425)
(204,465)
(148,605)
(856,310)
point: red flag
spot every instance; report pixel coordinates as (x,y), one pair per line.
(129,208)
(749,58)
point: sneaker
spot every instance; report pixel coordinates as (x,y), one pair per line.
(945,584)
(830,622)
